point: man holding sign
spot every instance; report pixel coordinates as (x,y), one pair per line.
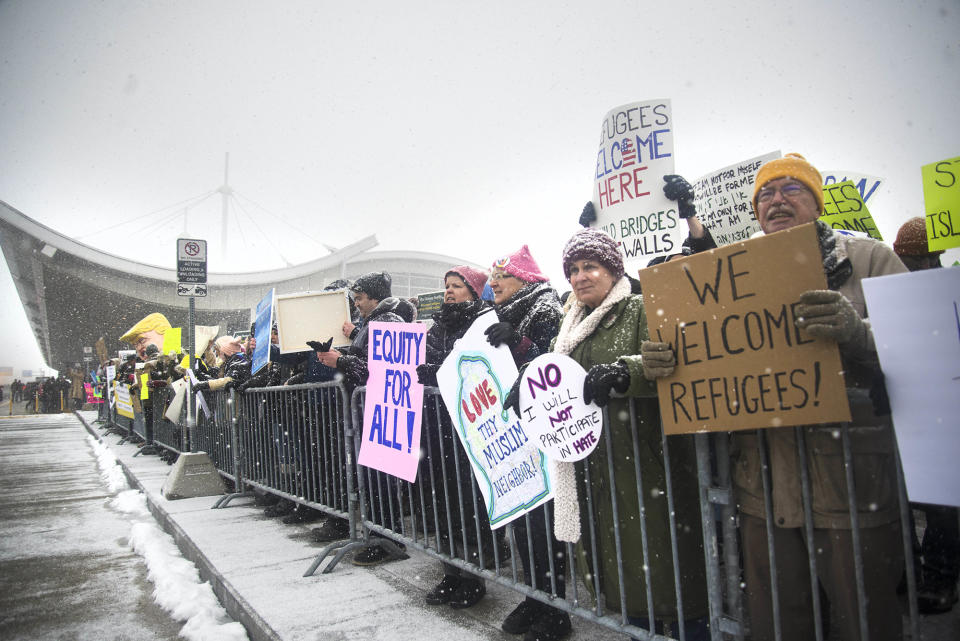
(788,194)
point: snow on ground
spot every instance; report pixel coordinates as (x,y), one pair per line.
(178,588)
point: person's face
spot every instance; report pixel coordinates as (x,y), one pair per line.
(274,337)
(784,203)
(590,281)
(504,286)
(455,290)
(365,305)
(923,261)
(151,337)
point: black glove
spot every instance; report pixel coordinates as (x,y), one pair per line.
(589,214)
(317,346)
(201,386)
(512,399)
(603,378)
(427,374)
(502,333)
(678,189)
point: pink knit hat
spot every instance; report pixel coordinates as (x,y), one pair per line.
(522,265)
(474,278)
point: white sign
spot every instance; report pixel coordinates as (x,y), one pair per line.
(916,324)
(724,200)
(553,411)
(636,152)
(311,316)
(192,289)
(511,472)
(866,184)
(191,260)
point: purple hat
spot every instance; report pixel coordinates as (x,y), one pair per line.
(593,244)
(522,265)
(474,278)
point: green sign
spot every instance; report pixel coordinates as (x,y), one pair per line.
(428,305)
(941,197)
(843,208)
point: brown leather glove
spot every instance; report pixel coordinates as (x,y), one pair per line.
(658,359)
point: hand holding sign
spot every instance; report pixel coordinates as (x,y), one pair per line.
(553,409)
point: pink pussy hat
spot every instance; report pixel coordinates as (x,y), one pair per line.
(522,265)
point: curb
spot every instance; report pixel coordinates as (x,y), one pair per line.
(235,605)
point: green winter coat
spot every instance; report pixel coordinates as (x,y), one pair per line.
(619,336)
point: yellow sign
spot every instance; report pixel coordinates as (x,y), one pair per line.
(742,362)
(843,208)
(171,341)
(144,386)
(941,197)
(124,403)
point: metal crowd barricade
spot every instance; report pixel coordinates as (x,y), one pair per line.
(295,442)
(167,434)
(443,514)
(213,433)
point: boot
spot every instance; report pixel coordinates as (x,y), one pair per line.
(469,593)
(443,590)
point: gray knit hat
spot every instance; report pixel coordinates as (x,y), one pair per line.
(593,244)
(376,285)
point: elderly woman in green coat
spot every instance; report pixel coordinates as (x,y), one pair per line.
(603,330)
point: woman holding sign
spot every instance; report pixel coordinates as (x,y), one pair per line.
(603,330)
(461,305)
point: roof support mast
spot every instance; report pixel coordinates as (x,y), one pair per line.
(225,192)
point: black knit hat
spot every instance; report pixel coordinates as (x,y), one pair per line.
(593,244)
(376,285)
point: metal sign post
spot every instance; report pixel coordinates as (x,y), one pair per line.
(192,282)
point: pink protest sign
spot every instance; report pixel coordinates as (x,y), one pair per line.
(391,414)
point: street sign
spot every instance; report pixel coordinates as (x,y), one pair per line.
(191,289)
(191,261)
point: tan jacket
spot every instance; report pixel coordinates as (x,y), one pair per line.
(871,437)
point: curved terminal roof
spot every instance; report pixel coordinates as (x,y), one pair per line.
(74,294)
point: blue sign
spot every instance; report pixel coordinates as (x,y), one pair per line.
(262,326)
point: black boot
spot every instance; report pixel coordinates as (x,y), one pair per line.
(551,625)
(443,590)
(469,593)
(522,617)
(281,508)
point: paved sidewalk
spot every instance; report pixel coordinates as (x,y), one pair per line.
(256,564)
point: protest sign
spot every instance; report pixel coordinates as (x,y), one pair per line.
(92,395)
(916,326)
(866,184)
(741,361)
(941,200)
(263,324)
(510,471)
(173,410)
(636,152)
(392,408)
(553,411)
(144,387)
(428,305)
(111,374)
(724,200)
(311,316)
(844,209)
(201,402)
(124,402)
(172,340)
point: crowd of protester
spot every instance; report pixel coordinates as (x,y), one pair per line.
(602,324)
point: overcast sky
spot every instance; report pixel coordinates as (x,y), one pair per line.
(459,128)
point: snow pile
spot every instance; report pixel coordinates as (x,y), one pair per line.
(178,589)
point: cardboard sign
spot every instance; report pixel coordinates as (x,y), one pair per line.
(844,209)
(263,324)
(172,412)
(866,184)
(428,305)
(741,361)
(916,324)
(941,200)
(124,402)
(111,374)
(553,411)
(392,408)
(511,472)
(724,200)
(636,152)
(311,316)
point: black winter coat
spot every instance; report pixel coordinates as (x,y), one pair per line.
(353,360)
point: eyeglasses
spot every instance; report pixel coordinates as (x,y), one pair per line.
(790,191)
(500,276)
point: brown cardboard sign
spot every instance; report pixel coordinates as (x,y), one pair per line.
(742,363)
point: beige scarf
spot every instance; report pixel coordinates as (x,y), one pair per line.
(577,326)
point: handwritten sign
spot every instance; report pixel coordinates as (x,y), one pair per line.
(124,402)
(263,325)
(392,411)
(636,152)
(510,471)
(111,375)
(742,363)
(428,305)
(843,208)
(916,323)
(941,199)
(866,184)
(724,200)
(553,411)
